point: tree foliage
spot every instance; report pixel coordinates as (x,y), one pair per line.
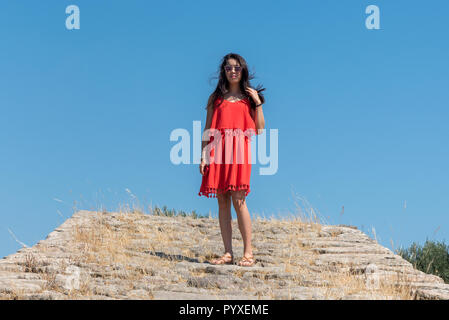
(432,257)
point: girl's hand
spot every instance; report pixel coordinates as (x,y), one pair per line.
(202,166)
(253,93)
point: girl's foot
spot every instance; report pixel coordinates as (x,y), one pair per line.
(247,261)
(227,258)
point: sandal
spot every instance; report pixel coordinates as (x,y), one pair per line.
(247,261)
(223,260)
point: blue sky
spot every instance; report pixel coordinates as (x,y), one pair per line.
(361,114)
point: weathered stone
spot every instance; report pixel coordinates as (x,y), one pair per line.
(201,282)
(157,257)
(46,295)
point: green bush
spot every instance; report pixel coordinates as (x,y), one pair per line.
(172,213)
(157,211)
(431,258)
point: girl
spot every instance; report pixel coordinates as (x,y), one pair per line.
(232,108)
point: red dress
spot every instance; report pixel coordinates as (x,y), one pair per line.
(229,165)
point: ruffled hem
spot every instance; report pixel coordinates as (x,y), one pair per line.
(236,132)
(212,192)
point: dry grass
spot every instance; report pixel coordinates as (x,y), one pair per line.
(297,260)
(13,294)
(131,247)
(127,250)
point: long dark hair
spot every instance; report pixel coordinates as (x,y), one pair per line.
(223,83)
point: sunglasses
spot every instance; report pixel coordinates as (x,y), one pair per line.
(236,68)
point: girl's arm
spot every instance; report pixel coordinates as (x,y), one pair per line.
(258,118)
(257,114)
(207,126)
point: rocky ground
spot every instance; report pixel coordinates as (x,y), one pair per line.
(116,255)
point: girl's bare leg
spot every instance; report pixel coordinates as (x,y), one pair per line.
(244,220)
(225,218)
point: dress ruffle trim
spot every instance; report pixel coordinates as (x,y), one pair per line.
(212,192)
(236,132)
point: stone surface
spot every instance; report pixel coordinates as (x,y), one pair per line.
(111,255)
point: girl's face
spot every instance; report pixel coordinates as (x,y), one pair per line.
(233,71)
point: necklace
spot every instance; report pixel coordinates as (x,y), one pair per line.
(241,97)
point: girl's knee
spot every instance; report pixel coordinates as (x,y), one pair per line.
(238,198)
(224,199)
